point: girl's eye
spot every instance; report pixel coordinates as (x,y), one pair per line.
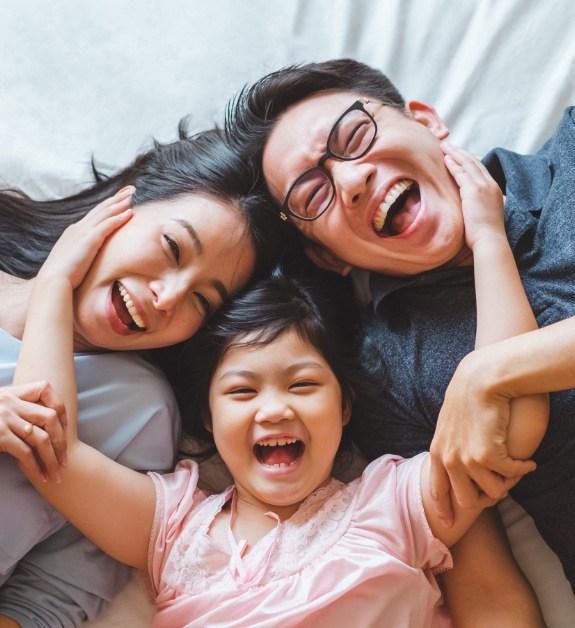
(242,390)
(205,303)
(303,384)
(173,246)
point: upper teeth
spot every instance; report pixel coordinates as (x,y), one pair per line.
(381,214)
(278,441)
(130,307)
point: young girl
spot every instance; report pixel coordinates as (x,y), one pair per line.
(286,544)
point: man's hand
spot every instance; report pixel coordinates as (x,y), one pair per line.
(469,450)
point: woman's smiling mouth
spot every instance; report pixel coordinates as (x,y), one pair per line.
(125,308)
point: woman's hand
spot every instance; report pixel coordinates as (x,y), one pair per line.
(77,247)
(481,198)
(32,423)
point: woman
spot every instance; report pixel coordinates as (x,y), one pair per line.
(193,240)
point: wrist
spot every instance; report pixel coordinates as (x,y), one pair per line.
(486,374)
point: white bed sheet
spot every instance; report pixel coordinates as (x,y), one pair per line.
(103,78)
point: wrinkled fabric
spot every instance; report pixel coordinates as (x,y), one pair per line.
(353,554)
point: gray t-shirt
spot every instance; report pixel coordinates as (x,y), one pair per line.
(127,411)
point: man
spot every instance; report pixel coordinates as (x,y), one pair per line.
(360,174)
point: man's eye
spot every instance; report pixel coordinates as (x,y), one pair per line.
(355,140)
(317,198)
(173,246)
(205,303)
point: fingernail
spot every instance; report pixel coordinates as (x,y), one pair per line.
(58,478)
(126,191)
(64,459)
(446,523)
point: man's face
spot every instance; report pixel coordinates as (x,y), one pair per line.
(422,231)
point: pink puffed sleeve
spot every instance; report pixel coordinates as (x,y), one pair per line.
(390,505)
(177,494)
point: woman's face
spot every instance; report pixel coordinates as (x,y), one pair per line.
(158,277)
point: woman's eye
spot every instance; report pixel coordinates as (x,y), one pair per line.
(173,246)
(205,303)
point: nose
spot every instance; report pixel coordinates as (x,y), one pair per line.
(274,409)
(168,292)
(352,179)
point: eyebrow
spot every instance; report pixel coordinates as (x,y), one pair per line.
(192,233)
(293,368)
(197,243)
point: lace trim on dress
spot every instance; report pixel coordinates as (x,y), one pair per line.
(196,563)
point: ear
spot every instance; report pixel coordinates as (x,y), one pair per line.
(208,424)
(346,412)
(321,257)
(426,115)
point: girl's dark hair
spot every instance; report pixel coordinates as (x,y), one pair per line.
(320,309)
(202,164)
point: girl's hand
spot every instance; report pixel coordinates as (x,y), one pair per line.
(32,422)
(77,247)
(481,198)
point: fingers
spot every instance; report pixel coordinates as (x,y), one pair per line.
(439,490)
(111,213)
(50,416)
(462,165)
(32,432)
(476,485)
(38,441)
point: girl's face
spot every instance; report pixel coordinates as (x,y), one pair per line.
(158,277)
(277,421)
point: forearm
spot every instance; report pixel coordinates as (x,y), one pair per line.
(502,306)
(503,311)
(536,362)
(486,586)
(47,351)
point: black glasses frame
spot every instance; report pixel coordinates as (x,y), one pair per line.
(329,154)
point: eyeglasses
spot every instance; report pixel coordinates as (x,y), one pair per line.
(313,191)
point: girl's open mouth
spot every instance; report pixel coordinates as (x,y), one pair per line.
(279,452)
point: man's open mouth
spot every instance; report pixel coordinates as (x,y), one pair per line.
(398,210)
(281,452)
(125,309)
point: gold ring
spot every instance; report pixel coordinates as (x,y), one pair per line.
(28,430)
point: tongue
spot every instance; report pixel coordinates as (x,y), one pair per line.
(405,217)
(120,307)
(285,454)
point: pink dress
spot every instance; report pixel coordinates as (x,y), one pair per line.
(358,554)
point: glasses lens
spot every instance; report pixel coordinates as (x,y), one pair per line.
(311,194)
(352,136)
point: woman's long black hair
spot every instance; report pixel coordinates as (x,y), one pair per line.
(202,164)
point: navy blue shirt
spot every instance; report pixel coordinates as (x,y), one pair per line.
(421,327)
